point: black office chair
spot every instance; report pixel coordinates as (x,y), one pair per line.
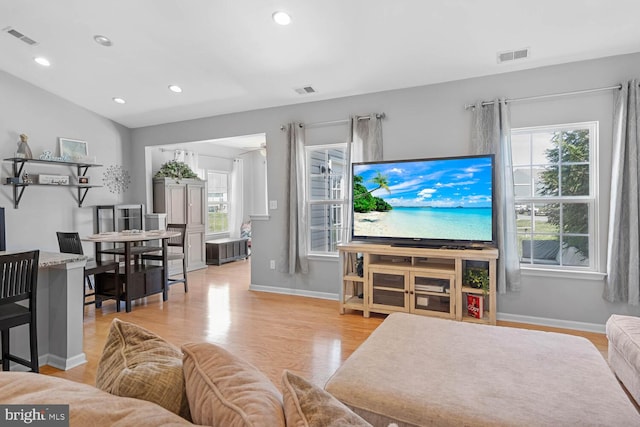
(69,243)
(18,282)
(174,242)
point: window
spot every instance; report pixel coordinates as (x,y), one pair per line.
(555,194)
(327,201)
(218,202)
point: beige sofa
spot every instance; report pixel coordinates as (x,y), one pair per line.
(623,334)
(412,371)
(88,405)
(143,380)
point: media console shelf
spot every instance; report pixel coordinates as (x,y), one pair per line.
(18,187)
(415,280)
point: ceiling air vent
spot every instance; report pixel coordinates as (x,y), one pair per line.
(305,90)
(17,34)
(512,55)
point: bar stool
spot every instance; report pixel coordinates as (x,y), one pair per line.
(70,243)
(18,282)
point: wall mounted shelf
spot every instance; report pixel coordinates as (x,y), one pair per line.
(18,188)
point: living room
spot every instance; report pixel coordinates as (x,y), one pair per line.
(421,121)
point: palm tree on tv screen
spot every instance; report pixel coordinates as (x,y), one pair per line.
(364,201)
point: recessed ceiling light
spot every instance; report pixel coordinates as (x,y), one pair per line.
(102,40)
(42,61)
(281,18)
(175,88)
(119,100)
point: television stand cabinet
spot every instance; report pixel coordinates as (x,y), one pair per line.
(432,282)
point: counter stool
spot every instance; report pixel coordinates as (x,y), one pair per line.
(70,243)
(18,282)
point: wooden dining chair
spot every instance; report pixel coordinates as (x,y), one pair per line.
(70,243)
(174,242)
(18,282)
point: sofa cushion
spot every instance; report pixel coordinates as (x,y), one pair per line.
(137,363)
(88,406)
(306,405)
(224,390)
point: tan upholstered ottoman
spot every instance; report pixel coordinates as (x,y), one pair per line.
(421,371)
(623,333)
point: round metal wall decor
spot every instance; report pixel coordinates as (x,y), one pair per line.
(116,179)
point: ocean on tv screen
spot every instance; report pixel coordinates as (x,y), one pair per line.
(448,199)
(426,223)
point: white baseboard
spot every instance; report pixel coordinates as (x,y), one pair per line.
(289,291)
(66,364)
(55,361)
(507,317)
(554,323)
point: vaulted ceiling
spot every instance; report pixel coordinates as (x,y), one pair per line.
(230,56)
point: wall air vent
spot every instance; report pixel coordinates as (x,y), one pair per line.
(305,90)
(513,55)
(17,34)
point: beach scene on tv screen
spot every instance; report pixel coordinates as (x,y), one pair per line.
(434,199)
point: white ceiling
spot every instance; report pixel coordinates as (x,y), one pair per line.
(229,56)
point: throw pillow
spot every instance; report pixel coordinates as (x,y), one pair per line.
(137,363)
(224,390)
(306,405)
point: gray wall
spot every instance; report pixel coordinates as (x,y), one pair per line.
(44,117)
(430,121)
(425,121)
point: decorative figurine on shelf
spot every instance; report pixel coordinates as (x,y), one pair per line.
(24,152)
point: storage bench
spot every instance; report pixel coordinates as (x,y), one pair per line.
(220,251)
(424,371)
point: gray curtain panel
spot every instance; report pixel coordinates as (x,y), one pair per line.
(491,134)
(623,246)
(366,137)
(297,251)
(365,146)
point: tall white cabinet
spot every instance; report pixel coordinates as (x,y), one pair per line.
(184,202)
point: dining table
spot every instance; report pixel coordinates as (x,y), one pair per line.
(139,278)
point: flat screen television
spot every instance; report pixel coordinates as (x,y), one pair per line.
(437,202)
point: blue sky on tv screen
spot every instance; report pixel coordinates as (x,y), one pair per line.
(464,182)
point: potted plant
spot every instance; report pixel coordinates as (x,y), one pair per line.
(477,278)
(175,169)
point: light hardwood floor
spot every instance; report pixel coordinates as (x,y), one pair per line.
(274,332)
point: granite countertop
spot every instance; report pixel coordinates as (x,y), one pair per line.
(47,259)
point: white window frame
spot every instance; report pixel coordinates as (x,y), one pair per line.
(228,203)
(337,206)
(592,200)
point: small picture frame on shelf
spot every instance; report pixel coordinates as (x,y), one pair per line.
(73,149)
(83,180)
